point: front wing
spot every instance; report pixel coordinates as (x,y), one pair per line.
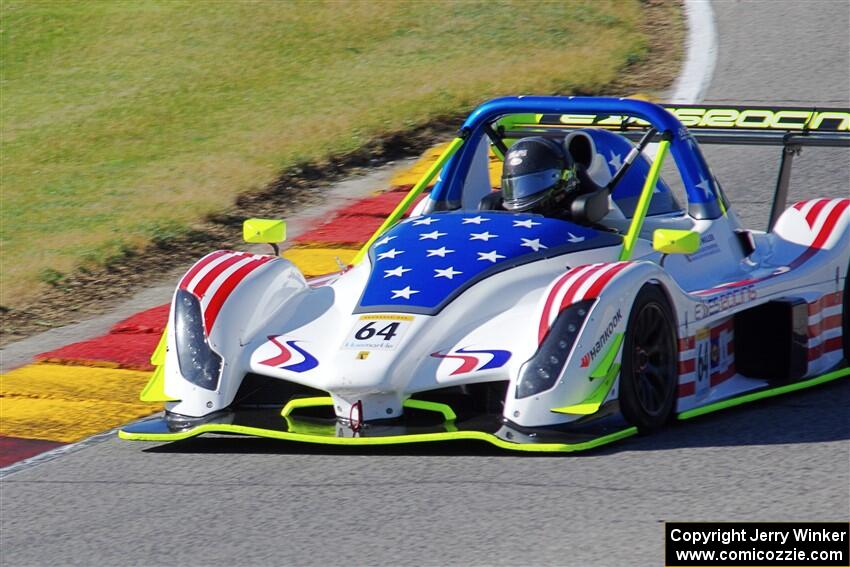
(426,422)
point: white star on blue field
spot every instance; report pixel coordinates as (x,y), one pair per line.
(420,263)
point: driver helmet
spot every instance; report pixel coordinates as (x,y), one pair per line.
(536,171)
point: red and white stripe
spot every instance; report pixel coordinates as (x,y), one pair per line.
(811,209)
(577,284)
(825,325)
(824,337)
(822,215)
(215,276)
(822,218)
(688,354)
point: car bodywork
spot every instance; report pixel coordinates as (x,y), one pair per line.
(457,323)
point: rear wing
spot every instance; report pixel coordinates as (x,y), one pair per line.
(788,127)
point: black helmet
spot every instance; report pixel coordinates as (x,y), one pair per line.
(535,168)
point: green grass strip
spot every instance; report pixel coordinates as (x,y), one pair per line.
(126,123)
(746,398)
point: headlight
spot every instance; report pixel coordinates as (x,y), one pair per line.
(198,363)
(542,370)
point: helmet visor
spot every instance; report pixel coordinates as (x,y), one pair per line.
(521,187)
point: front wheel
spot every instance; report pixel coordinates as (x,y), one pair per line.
(649,369)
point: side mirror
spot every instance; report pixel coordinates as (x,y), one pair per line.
(269,231)
(672,241)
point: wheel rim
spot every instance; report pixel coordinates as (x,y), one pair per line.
(652,359)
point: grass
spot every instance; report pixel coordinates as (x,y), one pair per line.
(126,121)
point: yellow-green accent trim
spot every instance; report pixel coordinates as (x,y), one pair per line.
(294,425)
(512,121)
(674,241)
(263,230)
(447,411)
(390,440)
(158,356)
(405,203)
(606,365)
(643,202)
(154,390)
(778,391)
(469,435)
(607,369)
(720,203)
(297,403)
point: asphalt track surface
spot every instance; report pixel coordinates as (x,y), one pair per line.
(256,502)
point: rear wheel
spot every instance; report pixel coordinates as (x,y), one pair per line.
(649,371)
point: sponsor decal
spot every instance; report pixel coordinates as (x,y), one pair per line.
(715,352)
(377,332)
(703,346)
(707,247)
(725,301)
(515,157)
(287,349)
(710,357)
(606,335)
(472,362)
(728,117)
(762,118)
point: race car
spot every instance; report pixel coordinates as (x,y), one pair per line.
(531,332)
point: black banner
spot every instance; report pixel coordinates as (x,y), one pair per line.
(757,544)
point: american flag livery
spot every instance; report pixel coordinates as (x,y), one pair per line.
(424,262)
(822,216)
(578,284)
(824,337)
(825,325)
(613,149)
(719,358)
(214,277)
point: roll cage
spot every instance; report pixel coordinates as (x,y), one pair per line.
(509,118)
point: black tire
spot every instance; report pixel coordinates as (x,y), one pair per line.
(649,374)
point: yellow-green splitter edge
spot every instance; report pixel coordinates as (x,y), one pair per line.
(476,435)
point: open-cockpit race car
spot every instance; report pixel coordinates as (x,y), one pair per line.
(532,332)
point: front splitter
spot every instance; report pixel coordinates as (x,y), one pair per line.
(258,423)
(281,424)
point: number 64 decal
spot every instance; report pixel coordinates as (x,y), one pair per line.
(369,330)
(378,332)
(703,362)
